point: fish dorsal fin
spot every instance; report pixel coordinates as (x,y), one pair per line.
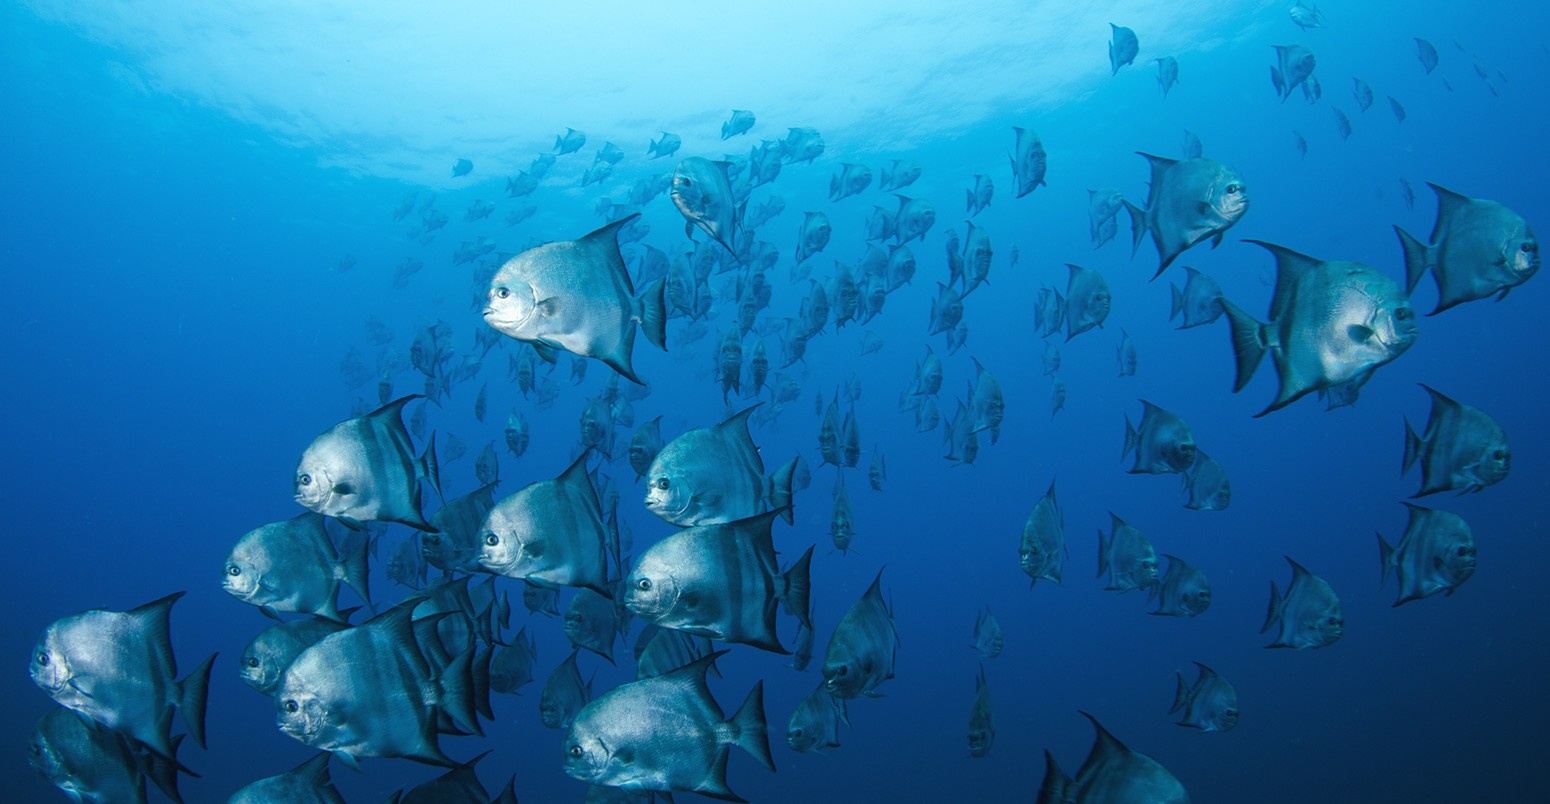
(604,242)
(734,430)
(576,476)
(1105,745)
(1449,203)
(1441,402)
(392,412)
(1159,166)
(154,620)
(692,676)
(1056,784)
(1291,267)
(876,589)
(1206,672)
(757,532)
(1297,571)
(314,772)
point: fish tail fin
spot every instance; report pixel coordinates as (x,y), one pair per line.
(1418,258)
(1177,305)
(799,589)
(1180,695)
(1132,438)
(779,489)
(1386,558)
(458,693)
(193,693)
(1273,612)
(1056,786)
(1103,555)
(749,730)
(480,672)
(163,771)
(652,313)
(429,470)
(1412,448)
(1138,225)
(834,187)
(970,206)
(353,571)
(1249,342)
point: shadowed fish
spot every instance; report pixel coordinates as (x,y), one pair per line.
(644,446)
(659,651)
(1184,591)
(900,174)
(1167,73)
(268,655)
(1029,161)
(1200,302)
(862,649)
(1478,248)
(592,623)
(1189,201)
(564,695)
(1042,550)
(979,197)
(914,218)
(1294,65)
(1427,53)
(1309,616)
(666,146)
(714,474)
(1305,17)
(702,192)
(988,637)
(90,762)
(813,235)
(851,180)
(982,719)
(511,668)
(1123,48)
(815,723)
(1087,301)
(1125,354)
(1163,444)
(1462,448)
(1207,484)
(307,783)
(739,123)
(576,295)
(455,548)
(1103,208)
(1436,554)
(549,531)
(1126,556)
(569,142)
(801,145)
(1210,705)
(363,470)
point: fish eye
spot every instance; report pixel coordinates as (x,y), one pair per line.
(1500,454)
(1463,551)
(292,707)
(502,293)
(575,752)
(663,483)
(305,479)
(252,661)
(492,540)
(431,538)
(844,670)
(1234,188)
(43,658)
(644,584)
(796,732)
(1402,313)
(1528,247)
(233,570)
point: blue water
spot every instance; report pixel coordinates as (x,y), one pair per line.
(173,326)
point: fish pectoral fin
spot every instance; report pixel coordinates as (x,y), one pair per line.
(549,352)
(1359,333)
(344,488)
(348,760)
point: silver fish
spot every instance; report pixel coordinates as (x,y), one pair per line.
(90,762)
(1127,557)
(714,474)
(511,668)
(1294,65)
(1125,354)
(592,623)
(1436,554)
(862,649)
(979,197)
(1087,301)
(564,695)
(1330,322)
(549,531)
(1163,444)
(899,174)
(1200,302)
(267,655)
(1305,17)
(292,567)
(915,217)
(928,374)
(1167,73)
(1042,550)
(986,405)
(1309,616)
(665,734)
(842,523)
(644,446)
(801,145)
(851,180)
(117,668)
(813,235)
(569,142)
(1029,161)
(877,470)
(1427,53)
(1051,359)
(739,123)
(1103,208)
(455,548)
(1111,773)
(1189,201)
(815,722)
(982,719)
(576,295)
(363,469)
(719,581)
(307,783)
(1184,591)
(1207,484)
(988,637)
(946,309)
(1123,47)
(977,254)
(1049,312)
(1478,248)
(1211,704)
(1462,448)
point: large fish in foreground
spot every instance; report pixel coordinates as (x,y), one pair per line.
(364,469)
(550,531)
(714,474)
(292,567)
(1462,448)
(1436,554)
(91,762)
(1478,248)
(576,296)
(702,192)
(1188,202)
(267,655)
(117,668)
(863,647)
(1112,774)
(1309,616)
(719,581)
(1331,324)
(666,734)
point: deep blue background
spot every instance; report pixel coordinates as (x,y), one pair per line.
(172,329)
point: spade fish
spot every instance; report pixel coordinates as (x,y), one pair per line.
(644,446)
(1462,448)
(1111,773)
(592,622)
(1309,616)
(1125,354)
(719,581)
(1167,73)
(455,547)
(363,470)
(1123,47)
(1042,551)
(666,734)
(90,762)
(801,145)
(511,668)
(1103,208)
(714,474)
(1330,323)
(815,723)
(569,142)
(1294,66)
(1207,484)
(666,146)
(564,695)
(982,719)
(576,296)
(1029,161)
(1478,248)
(739,123)
(1087,301)
(702,192)
(659,651)
(899,174)
(1049,312)
(292,567)
(1200,302)
(979,197)
(862,649)
(1189,201)
(1184,591)
(1211,704)
(1427,53)
(1436,554)
(915,217)
(988,637)
(267,656)
(1126,556)
(851,180)
(1163,444)
(549,531)
(842,526)
(986,405)
(813,235)
(1305,17)
(946,309)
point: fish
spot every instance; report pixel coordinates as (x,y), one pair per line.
(702,192)
(268,654)
(815,722)
(714,475)
(863,647)
(1479,248)
(729,363)
(1184,591)
(979,197)
(1057,398)
(117,668)
(307,783)
(609,153)
(1363,94)
(1397,108)
(1309,616)
(362,469)
(659,651)
(576,296)
(928,375)
(1342,124)
(900,174)
(813,235)
(1112,772)
(1462,448)
(1029,161)
(1163,444)
(569,142)
(946,309)
(1189,201)
(462,168)
(1294,65)
(460,785)
(666,146)
(592,623)
(292,567)
(851,180)
(1087,301)
(1330,322)
(1125,353)
(1207,484)
(842,527)
(1123,47)
(456,547)
(406,566)
(977,253)
(511,667)
(486,466)
(564,695)
(801,145)
(1167,73)
(666,734)
(1210,704)
(645,444)
(1312,90)
(1049,312)
(1427,53)
(549,531)
(517,434)
(1306,16)
(988,638)
(741,121)
(962,443)
(877,471)
(719,581)
(541,598)
(1192,145)
(927,416)
(982,720)
(1042,551)
(1200,302)
(1050,359)
(914,218)
(1126,556)
(1103,208)
(90,762)
(1436,554)
(987,408)
(881,224)
(802,643)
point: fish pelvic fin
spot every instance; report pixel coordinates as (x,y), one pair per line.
(780,492)
(428,468)
(1419,258)
(352,569)
(1413,445)
(799,589)
(749,731)
(1250,341)
(1386,558)
(1273,612)
(651,312)
(192,694)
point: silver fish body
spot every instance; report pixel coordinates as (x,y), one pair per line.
(1478,248)
(1189,201)
(1308,616)
(1462,448)
(1210,704)
(1437,554)
(363,469)
(863,647)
